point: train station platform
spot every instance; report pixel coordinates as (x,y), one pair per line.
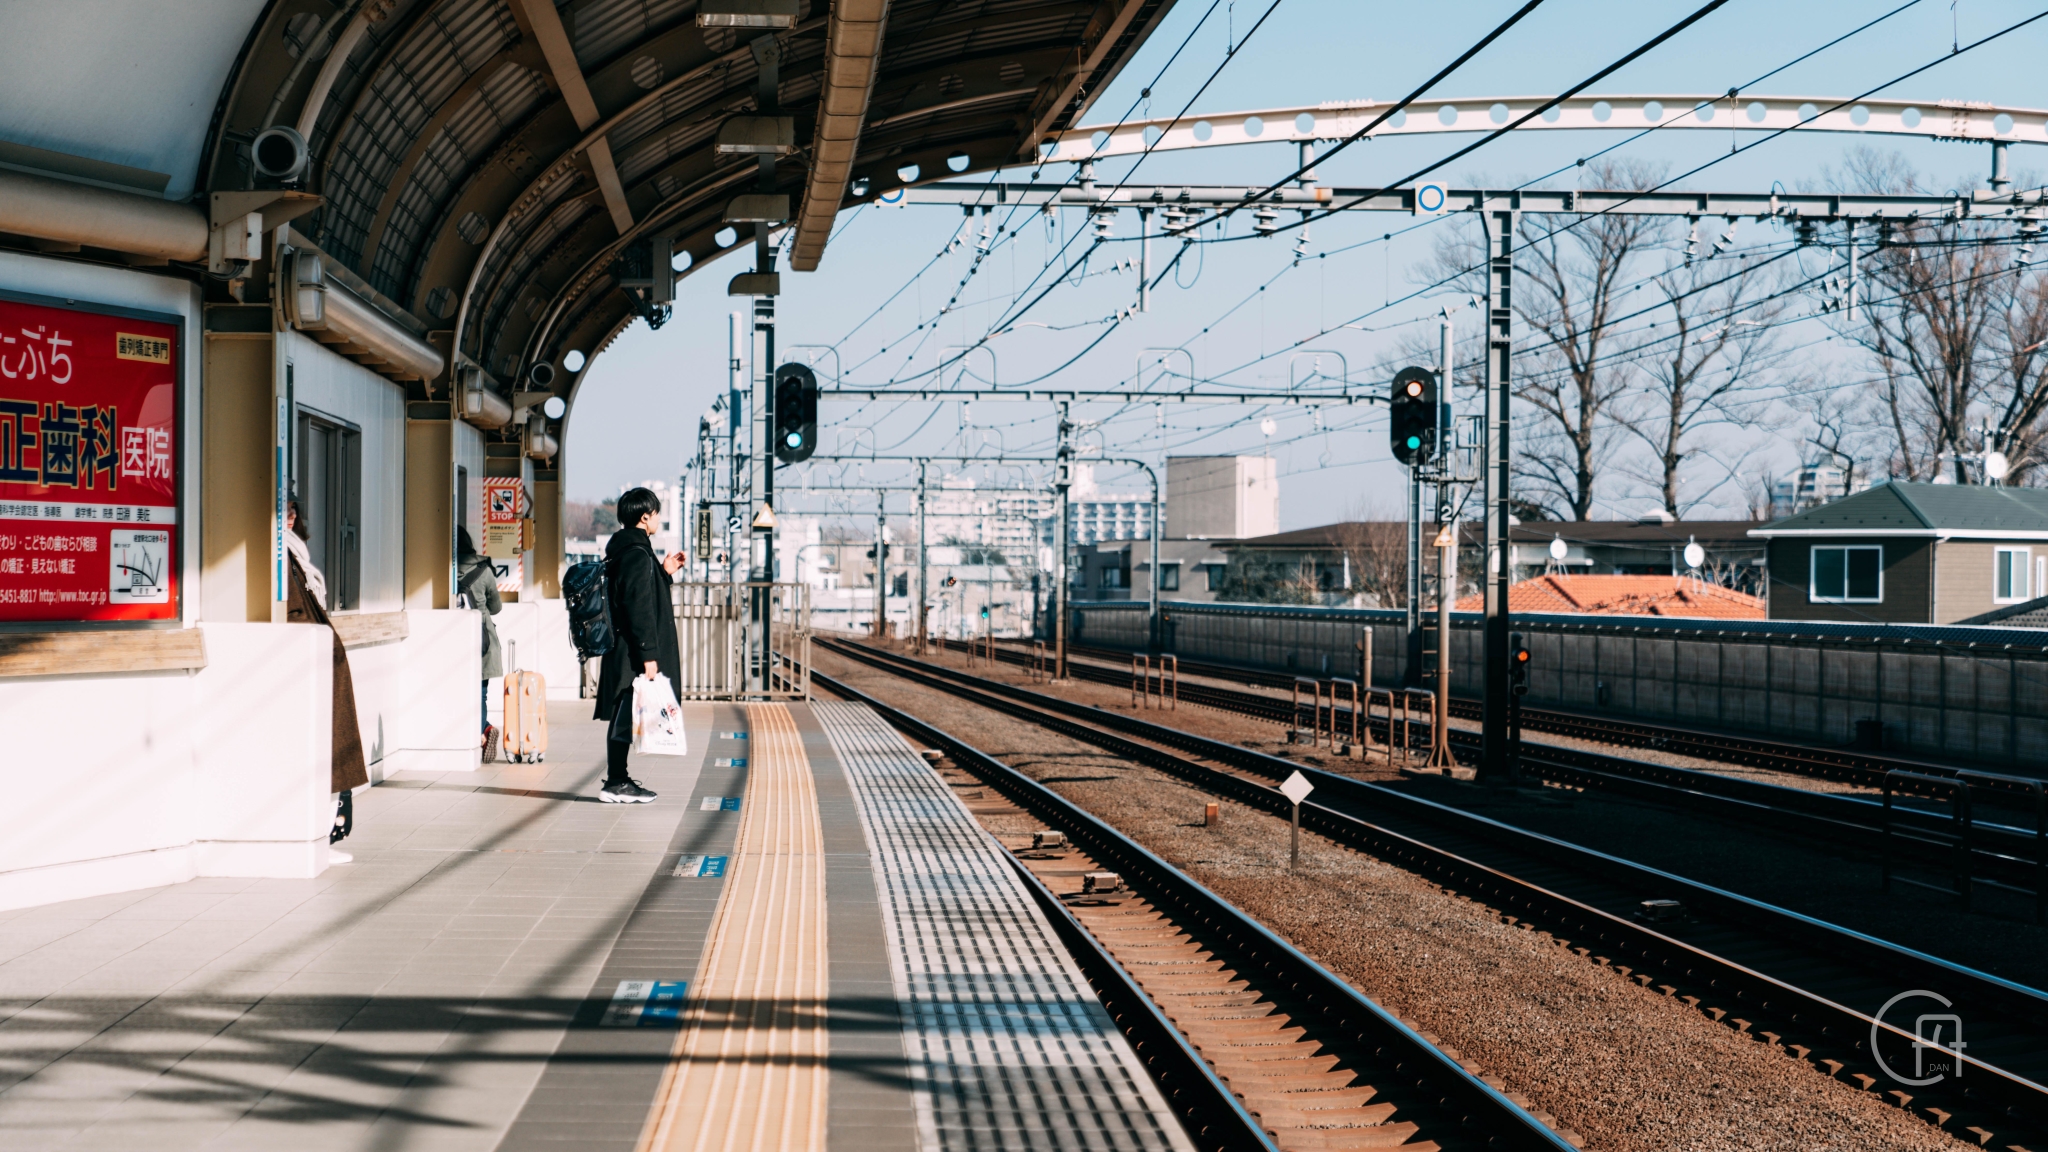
(807,943)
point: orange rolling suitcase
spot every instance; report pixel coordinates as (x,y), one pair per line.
(525,737)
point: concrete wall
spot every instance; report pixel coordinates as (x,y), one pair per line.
(1969,696)
(133,780)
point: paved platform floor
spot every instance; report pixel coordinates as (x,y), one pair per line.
(510,964)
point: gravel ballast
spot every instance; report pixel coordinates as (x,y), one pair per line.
(1629,1069)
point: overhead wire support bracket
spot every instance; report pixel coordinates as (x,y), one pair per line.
(1062,395)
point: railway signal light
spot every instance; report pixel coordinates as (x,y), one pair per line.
(1413,416)
(1518,663)
(796,413)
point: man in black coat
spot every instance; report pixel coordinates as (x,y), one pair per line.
(643,617)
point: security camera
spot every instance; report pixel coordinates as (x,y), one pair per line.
(280,154)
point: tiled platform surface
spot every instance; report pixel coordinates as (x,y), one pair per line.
(409,1000)
(446,991)
(1009,1047)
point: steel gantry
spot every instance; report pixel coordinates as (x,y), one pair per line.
(1062,461)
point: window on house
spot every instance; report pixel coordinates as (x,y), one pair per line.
(1112,578)
(1215,573)
(1169,577)
(2009,575)
(1847,575)
(329,483)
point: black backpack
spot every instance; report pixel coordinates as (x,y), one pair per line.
(590,608)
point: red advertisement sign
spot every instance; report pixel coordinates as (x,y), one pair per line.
(88,465)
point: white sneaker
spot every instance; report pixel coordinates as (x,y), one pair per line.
(337,856)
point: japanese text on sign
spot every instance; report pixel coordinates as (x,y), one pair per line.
(88,465)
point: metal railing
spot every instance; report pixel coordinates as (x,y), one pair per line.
(717,628)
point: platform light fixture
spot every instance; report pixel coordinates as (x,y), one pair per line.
(757,136)
(747,14)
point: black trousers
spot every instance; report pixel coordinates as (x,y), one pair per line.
(618,739)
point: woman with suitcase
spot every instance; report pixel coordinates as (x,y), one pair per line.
(476,585)
(644,620)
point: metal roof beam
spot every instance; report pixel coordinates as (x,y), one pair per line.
(1089,59)
(853,53)
(541,20)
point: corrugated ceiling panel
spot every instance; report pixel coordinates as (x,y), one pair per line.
(446,45)
(601,29)
(564,217)
(500,102)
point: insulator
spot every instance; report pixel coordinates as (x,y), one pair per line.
(1266,221)
(1727,238)
(1174,218)
(1692,243)
(1105,223)
(1805,232)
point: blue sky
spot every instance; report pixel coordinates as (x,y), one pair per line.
(636,414)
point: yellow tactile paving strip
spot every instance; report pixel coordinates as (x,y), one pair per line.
(748,1072)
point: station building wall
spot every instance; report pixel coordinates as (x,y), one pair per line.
(142,757)
(1976,697)
(334,386)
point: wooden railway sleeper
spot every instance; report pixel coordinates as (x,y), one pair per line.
(1732,981)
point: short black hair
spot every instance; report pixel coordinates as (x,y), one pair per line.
(635,503)
(465,546)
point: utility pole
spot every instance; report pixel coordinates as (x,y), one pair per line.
(1152,627)
(923,567)
(1447,558)
(1495,761)
(1412,667)
(738,403)
(881,628)
(767,53)
(1063,475)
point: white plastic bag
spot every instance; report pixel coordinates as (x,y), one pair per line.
(657,718)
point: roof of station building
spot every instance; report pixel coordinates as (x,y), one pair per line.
(1902,508)
(482,164)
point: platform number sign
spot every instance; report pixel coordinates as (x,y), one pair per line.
(89,463)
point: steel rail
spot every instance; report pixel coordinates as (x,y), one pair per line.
(1436,1080)
(1843,765)
(1812,1025)
(2007,854)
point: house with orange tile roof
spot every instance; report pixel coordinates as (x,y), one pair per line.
(1627,596)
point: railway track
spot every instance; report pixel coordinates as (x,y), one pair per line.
(1966,845)
(1843,765)
(1811,989)
(1257,1045)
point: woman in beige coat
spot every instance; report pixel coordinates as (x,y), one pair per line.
(306,603)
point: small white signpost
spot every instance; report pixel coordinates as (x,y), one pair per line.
(1296,788)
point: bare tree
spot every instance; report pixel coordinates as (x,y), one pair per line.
(1572,276)
(1942,294)
(1708,361)
(1376,548)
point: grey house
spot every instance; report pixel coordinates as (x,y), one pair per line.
(1909,553)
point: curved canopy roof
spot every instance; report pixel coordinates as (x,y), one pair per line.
(483,162)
